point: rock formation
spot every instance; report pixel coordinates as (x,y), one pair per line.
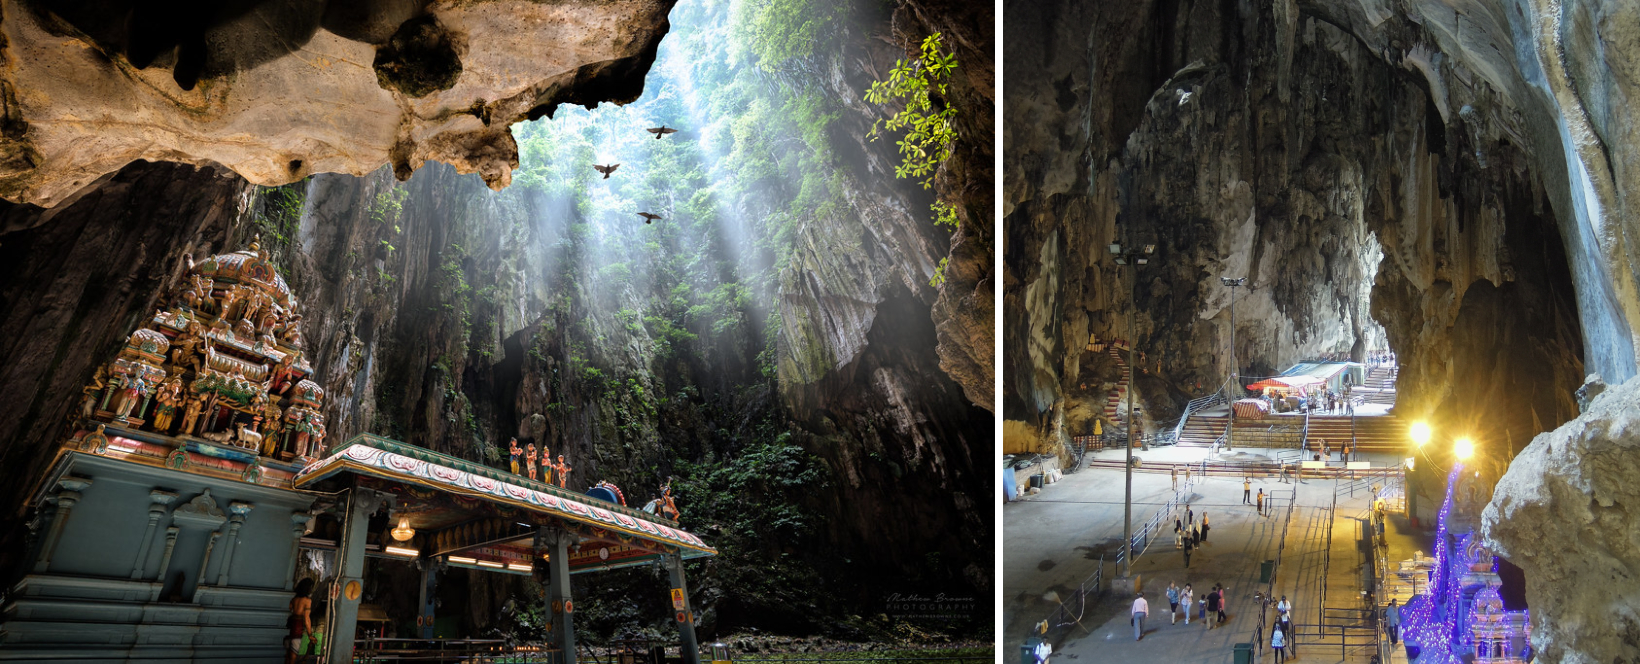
(277,91)
(1565,513)
(1442,179)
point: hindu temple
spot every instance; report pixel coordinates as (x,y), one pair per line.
(195,475)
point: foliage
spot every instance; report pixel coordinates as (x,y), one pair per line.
(776,32)
(930,131)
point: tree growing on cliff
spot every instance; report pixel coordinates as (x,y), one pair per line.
(927,120)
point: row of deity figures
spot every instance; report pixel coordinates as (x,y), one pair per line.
(544,457)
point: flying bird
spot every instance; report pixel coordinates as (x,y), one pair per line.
(606,170)
(661,131)
(647,217)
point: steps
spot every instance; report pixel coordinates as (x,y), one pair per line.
(1379,387)
(1115,403)
(1202,430)
(1383,433)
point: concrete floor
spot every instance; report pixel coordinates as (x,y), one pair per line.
(1053,542)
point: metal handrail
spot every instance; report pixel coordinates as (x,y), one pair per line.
(1275,568)
(1199,404)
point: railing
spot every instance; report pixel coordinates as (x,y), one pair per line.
(1066,616)
(1275,569)
(1140,542)
(1200,404)
(1326,563)
(372,649)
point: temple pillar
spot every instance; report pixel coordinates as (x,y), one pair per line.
(689,648)
(349,583)
(67,495)
(158,502)
(298,527)
(239,510)
(555,543)
(429,583)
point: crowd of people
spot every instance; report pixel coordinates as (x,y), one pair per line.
(1182,601)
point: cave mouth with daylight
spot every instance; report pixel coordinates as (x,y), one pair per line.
(1356,274)
(509,330)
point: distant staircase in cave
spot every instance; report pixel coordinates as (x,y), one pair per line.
(1201,430)
(1379,387)
(1376,433)
(1114,401)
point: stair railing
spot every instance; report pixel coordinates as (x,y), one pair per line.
(1200,404)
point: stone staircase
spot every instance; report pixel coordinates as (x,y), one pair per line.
(1382,433)
(1201,430)
(1379,387)
(1116,402)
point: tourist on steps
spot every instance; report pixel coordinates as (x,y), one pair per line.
(1173,602)
(1392,621)
(1140,608)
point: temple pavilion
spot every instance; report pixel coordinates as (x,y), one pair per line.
(195,475)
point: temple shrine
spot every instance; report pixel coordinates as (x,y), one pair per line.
(195,475)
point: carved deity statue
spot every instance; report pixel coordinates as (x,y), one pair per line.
(668,508)
(190,415)
(291,334)
(546,464)
(94,391)
(132,390)
(169,397)
(514,451)
(563,470)
(529,459)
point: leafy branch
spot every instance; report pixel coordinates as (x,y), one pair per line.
(929,132)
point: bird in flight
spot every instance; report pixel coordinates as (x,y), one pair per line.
(661,131)
(606,170)
(647,217)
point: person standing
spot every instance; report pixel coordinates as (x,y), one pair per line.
(1175,478)
(1187,548)
(1261,501)
(1190,516)
(1173,602)
(1187,476)
(1204,526)
(1178,525)
(1392,622)
(1277,641)
(1187,597)
(1220,591)
(1283,606)
(1246,490)
(1212,607)
(300,622)
(1195,536)
(1140,608)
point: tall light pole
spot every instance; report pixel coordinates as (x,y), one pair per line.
(1235,380)
(1134,258)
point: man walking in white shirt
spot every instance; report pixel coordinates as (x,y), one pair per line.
(1140,608)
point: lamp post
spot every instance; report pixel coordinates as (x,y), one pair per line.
(1135,258)
(1235,380)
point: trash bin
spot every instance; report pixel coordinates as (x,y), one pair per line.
(1027,652)
(1036,481)
(1265,570)
(1244,653)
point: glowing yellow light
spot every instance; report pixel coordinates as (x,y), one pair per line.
(463,560)
(517,567)
(1464,448)
(487,563)
(401,551)
(1420,433)
(1411,464)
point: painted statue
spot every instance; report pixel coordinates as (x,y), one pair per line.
(563,470)
(546,464)
(285,374)
(93,391)
(190,414)
(131,391)
(271,415)
(169,397)
(529,459)
(668,508)
(514,451)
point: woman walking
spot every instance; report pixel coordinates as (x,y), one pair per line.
(1187,598)
(1173,602)
(1204,526)
(1278,640)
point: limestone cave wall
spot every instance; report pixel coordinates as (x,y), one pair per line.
(1436,178)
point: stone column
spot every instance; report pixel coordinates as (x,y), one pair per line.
(165,561)
(555,543)
(68,494)
(158,502)
(239,510)
(298,527)
(349,584)
(689,647)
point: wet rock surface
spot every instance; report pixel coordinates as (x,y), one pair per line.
(1565,513)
